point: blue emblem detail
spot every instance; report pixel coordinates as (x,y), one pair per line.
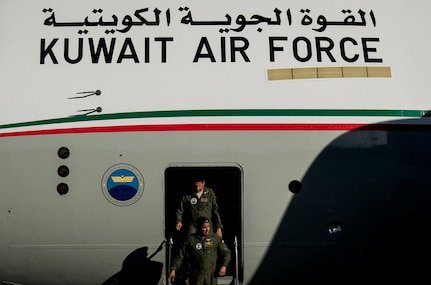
(122,184)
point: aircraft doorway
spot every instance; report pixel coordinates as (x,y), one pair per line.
(226,181)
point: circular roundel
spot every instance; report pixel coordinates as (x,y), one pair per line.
(122,184)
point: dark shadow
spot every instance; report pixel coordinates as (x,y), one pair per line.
(137,268)
(363,213)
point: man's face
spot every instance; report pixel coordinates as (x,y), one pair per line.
(199,186)
(205,229)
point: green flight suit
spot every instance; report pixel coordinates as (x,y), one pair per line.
(202,257)
(192,207)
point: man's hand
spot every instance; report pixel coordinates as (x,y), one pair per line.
(222,271)
(171,275)
(219,233)
(179,225)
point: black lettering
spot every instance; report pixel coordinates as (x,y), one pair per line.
(147,50)
(66,51)
(343,50)
(366,49)
(204,43)
(47,51)
(240,49)
(95,54)
(273,48)
(163,40)
(327,49)
(308,54)
(128,44)
(223,49)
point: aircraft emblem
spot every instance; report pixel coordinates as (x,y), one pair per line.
(122,184)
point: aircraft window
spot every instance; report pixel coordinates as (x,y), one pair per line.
(62,188)
(295,186)
(63,171)
(63,152)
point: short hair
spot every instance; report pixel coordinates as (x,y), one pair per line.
(201,221)
(199,179)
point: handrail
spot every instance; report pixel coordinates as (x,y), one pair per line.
(236,282)
(171,242)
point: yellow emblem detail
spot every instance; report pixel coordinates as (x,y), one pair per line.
(122,179)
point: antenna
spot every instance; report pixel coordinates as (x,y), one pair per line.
(90,111)
(87,94)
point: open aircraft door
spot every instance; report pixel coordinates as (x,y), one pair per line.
(226,181)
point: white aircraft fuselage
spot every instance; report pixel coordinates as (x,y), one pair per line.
(309,120)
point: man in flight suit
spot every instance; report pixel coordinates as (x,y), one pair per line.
(203,253)
(202,203)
